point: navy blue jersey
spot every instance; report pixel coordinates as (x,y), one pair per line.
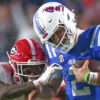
(87,47)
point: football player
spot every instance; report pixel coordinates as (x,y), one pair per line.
(65,44)
(22,73)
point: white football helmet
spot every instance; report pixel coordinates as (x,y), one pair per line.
(51,16)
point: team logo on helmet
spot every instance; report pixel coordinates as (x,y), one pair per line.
(13,50)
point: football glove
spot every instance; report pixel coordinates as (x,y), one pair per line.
(47,75)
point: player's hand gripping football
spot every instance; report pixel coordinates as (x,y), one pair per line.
(81,72)
(47,75)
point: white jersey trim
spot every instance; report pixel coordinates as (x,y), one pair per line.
(51,51)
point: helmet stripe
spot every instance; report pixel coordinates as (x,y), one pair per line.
(38,26)
(32,48)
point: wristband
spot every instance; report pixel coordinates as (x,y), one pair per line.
(37,82)
(93,78)
(86,76)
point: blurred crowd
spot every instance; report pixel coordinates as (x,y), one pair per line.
(16,19)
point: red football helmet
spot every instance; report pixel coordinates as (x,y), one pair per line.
(27,59)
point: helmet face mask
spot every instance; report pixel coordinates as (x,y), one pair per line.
(28,56)
(57,36)
(55,15)
(29,72)
(62,38)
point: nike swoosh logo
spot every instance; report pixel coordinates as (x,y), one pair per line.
(84,52)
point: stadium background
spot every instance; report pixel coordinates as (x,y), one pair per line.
(16,19)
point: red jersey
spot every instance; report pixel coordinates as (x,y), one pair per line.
(6,74)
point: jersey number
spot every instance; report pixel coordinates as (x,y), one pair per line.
(75,92)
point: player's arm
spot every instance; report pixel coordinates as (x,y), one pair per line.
(15,90)
(83,74)
(46,91)
(49,90)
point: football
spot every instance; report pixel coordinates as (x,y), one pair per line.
(94,65)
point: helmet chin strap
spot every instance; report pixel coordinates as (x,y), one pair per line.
(18,79)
